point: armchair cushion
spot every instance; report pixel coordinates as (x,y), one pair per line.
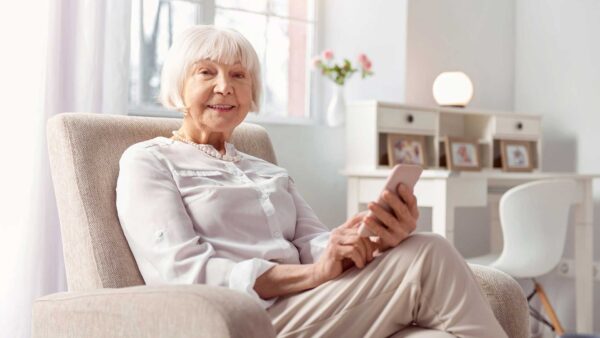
(151,311)
(506,299)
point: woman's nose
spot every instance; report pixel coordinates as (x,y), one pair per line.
(223,85)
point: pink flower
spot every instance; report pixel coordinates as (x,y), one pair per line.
(316,62)
(364,61)
(328,54)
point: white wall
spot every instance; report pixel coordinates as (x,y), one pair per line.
(374,27)
(557,64)
(314,155)
(473,36)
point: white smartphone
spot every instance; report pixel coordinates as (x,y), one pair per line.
(407,174)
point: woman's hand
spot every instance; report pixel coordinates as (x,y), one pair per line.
(396,225)
(345,249)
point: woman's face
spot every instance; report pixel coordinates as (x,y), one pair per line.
(218,96)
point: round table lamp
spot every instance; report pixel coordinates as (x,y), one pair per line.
(452,89)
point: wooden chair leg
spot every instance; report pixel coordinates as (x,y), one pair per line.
(558,329)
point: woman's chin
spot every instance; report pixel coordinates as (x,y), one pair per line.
(221,123)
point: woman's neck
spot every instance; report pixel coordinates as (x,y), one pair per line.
(215,139)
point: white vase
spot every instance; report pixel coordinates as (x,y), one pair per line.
(336,111)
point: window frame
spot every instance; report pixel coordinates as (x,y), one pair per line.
(311,94)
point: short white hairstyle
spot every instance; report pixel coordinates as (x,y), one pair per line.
(206,42)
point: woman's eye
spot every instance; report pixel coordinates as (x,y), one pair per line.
(204,71)
(240,75)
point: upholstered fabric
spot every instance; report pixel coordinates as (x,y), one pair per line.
(102,275)
(506,299)
(151,311)
(84,157)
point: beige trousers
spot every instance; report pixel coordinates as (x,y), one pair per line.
(424,281)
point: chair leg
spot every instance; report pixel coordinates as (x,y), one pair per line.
(558,329)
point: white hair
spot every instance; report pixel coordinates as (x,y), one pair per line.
(206,42)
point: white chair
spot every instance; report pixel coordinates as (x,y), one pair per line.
(534,219)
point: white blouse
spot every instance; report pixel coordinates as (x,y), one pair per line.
(192,218)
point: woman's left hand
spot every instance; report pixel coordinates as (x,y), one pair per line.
(396,225)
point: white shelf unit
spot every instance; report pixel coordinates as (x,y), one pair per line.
(369,123)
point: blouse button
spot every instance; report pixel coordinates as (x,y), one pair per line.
(159,235)
(277,234)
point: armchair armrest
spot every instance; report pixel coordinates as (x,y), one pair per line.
(506,299)
(151,311)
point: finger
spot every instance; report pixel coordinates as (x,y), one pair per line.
(357,258)
(355,220)
(349,238)
(361,248)
(369,247)
(349,252)
(397,205)
(342,251)
(384,216)
(384,234)
(377,244)
(400,228)
(409,198)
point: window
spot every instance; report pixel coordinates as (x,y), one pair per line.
(281,31)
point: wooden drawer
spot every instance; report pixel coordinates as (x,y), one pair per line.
(517,126)
(391,119)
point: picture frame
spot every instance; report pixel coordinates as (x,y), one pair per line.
(406,149)
(516,156)
(462,154)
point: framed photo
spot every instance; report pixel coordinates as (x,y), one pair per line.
(406,149)
(462,154)
(516,155)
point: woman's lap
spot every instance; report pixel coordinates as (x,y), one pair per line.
(391,292)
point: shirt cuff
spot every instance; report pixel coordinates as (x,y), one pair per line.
(244,275)
(316,247)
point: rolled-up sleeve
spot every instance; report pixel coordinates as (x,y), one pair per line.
(311,236)
(161,234)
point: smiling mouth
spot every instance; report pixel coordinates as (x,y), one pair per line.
(221,107)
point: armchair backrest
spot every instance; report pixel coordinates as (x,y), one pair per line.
(84,151)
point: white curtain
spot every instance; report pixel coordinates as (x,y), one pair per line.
(57,56)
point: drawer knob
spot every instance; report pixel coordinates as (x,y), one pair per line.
(519,125)
(410,118)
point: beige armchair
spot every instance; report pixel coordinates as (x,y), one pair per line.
(107,296)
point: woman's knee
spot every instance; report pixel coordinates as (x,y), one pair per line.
(431,244)
(421,243)
(429,239)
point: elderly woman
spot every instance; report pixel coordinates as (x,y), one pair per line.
(196,210)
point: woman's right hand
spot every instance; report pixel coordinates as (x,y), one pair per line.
(346,248)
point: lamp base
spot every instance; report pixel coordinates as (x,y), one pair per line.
(452,105)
